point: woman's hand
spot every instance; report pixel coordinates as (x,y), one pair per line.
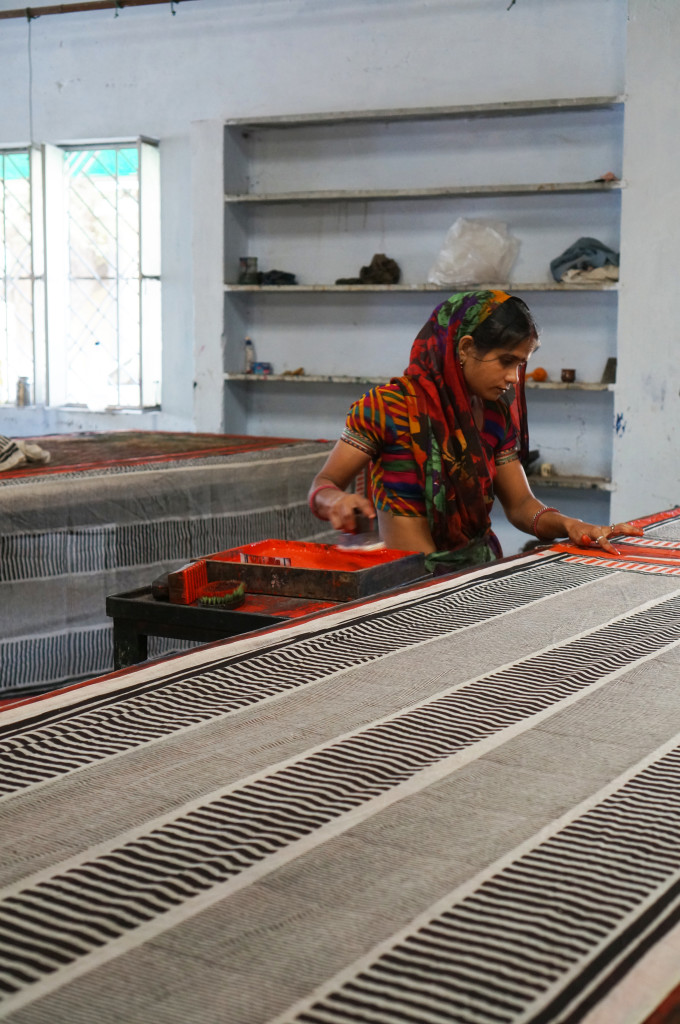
(587,534)
(328,497)
(341,508)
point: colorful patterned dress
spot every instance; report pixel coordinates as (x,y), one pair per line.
(428,456)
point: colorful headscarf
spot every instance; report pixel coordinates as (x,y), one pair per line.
(447,447)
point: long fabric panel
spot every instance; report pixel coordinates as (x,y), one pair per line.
(72,538)
(456,803)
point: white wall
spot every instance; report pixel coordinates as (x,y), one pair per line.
(100,76)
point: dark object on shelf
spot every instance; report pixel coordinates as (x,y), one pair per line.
(248,272)
(568,376)
(381,270)
(23,391)
(263,369)
(278,277)
(248,355)
(530,458)
(609,372)
(584,254)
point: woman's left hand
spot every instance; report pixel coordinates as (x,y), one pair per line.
(587,534)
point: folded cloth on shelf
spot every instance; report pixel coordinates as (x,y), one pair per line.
(278,277)
(602,275)
(584,254)
(19,453)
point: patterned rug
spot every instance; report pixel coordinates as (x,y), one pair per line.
(456,803)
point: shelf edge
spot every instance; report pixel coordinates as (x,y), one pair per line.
(519,286)
(579,483)
(435,192)
(303,378)
(503,108)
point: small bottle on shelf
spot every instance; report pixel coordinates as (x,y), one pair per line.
(249,358)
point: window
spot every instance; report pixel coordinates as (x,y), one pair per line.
(20,294)
(100,347)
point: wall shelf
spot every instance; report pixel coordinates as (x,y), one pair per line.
(508,286)
(437,192)
(581,483)
(504,109)
(317,194)
(558,385)
(371,381)
(304,378)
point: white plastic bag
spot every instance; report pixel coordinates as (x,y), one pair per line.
(475,252)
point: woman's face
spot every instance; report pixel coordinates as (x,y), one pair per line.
(488,375)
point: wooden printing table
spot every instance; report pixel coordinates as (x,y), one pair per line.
(137,615)
(284,580)
(457,802)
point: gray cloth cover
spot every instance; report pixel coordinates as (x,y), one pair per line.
(69,540)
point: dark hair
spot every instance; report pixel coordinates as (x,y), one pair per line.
(510,324)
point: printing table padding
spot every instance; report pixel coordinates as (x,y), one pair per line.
(455,804)
(70,540)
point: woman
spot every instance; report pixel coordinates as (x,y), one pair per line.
(446,438)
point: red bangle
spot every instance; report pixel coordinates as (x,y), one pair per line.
(537,516)
(312,497)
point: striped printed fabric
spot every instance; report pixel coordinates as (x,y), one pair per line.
(456,803)
(68,541)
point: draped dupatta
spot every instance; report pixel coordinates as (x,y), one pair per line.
(449,453)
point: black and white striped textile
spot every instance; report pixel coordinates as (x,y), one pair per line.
(456,803)
(68,541)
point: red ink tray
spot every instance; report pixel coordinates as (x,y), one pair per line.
(321,571)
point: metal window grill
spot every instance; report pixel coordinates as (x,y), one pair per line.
(102,337)
(80,306)
(16,277)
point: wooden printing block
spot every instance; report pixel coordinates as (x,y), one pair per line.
(185,584)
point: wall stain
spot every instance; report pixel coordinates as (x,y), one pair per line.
(620,426)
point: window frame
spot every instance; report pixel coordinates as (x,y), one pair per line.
(149,268)
(50,277)
(36,274)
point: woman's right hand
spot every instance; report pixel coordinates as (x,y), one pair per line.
(327,496)
(341,508)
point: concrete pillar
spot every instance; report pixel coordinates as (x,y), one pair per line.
(647,407)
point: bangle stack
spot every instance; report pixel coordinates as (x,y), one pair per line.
(537,516)
(312,497)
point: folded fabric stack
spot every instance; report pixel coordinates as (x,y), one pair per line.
(20,453)
(586,261)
